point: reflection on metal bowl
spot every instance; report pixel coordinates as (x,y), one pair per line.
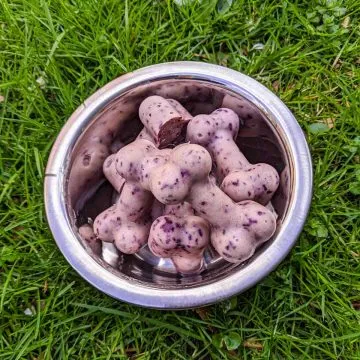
(269,133)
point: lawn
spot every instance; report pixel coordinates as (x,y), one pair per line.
(54,54)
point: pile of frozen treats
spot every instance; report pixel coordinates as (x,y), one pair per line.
(179,199)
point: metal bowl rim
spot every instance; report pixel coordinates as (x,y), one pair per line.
(235,283)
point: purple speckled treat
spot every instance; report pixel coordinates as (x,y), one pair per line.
(240,179)
(127,222)
(164,123)
(174,189)
(171,182)
(236,229)
(136,162)
(183,239)
(188,239)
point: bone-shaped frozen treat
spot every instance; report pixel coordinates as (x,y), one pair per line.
(186,116)
(136,161)
(127,223)
(163,119)
(237,229)
(109,168)
(171,181)
(240,179)
(181,236)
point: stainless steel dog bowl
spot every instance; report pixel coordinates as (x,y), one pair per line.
(269,134)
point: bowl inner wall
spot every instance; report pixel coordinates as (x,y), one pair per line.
(118,124)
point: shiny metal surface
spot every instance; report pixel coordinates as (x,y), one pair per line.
(269,134)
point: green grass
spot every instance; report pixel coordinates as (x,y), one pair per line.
(309,307)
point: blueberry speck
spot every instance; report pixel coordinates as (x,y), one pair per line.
(168,226)
(164,186)
(185,173)
(227,254)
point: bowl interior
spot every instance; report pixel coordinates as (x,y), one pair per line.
(118,124)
